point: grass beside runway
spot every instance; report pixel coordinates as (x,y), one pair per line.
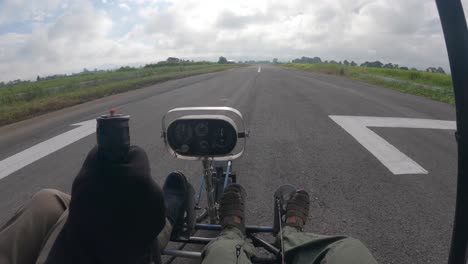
(25,100)
(435,86)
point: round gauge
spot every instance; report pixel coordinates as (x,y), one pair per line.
(184,148)
(204,145)
(183,132)
(219,138)
(220,143)
(201,129)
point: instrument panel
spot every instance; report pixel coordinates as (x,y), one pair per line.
(192,136)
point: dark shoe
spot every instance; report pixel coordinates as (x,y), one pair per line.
(232,206)
(175,195)
(298,207)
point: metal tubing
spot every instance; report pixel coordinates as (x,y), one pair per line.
(228,171)
(208,227)
(195,240)
(172,258)
(200,191)
(202,215)
(208,176)
(182,253)
(249,229)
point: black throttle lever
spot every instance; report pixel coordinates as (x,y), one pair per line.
(113,137)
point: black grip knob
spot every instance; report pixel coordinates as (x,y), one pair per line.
(113,137)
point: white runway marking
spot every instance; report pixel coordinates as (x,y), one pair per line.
(259,69)
(391,157)
(36,152)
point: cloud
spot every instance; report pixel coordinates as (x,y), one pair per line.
(230,20)
(124,6)
(23,10)
(67,36)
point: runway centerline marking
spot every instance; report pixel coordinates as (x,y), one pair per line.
(396,161)
(38,151)
(259,69)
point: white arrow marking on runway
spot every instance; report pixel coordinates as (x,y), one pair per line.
(259,69)
(391,157)
(36,152)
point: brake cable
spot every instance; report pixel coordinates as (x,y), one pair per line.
(281,230)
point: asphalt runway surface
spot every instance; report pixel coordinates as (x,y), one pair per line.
(402,218)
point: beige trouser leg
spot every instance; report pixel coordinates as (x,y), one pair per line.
(22,237)
(35,226)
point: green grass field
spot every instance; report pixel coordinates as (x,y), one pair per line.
(25,100)
(431,85)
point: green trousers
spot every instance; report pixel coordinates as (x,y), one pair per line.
(28,236)
(231,246)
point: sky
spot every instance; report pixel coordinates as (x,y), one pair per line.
(45,37)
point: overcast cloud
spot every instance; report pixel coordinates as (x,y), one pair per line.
(63,36)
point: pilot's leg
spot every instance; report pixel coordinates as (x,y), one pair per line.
(308,248)
(22,237)
(302,248)
(229,247)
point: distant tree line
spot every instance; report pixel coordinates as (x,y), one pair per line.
(371,64)
(307,60)
(173,61)
(433,69)
(168,62)
(17,81)
(255,62)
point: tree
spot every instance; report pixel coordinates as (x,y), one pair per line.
(316,60)
(38,78)
(375,64)
(346,62)
(404,68)
(172,60)
(353,63)
(388,66)
(307,60)
(222,60)
(413,69)
(440,70)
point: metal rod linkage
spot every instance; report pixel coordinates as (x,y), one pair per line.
(258,242)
